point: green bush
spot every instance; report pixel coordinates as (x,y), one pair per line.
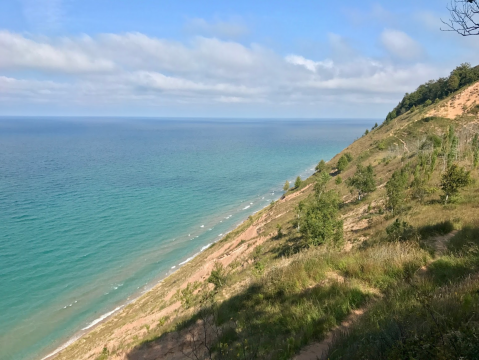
(400,231)
(218,276)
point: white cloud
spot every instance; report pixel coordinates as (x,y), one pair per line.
(133,68)
(400,45)
(309,64)
(17,51)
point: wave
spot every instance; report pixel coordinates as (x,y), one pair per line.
(247,207)
(101,318)
(64,346)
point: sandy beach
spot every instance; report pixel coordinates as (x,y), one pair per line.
(125,324)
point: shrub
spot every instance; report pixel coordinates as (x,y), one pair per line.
(338,180)
(342,163)
(399,231)
(218,276)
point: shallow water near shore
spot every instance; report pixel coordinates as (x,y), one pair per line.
(96,210)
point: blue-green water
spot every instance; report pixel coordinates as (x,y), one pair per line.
(93,211)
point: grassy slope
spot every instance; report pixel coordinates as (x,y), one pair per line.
(281,297)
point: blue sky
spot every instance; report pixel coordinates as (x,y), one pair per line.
(221,58)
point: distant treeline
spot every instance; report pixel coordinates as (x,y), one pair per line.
(435,90)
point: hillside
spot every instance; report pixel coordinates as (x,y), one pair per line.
(391,274)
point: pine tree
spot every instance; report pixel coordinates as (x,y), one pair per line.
(286,186)
(298,182)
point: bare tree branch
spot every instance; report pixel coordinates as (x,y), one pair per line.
(462,20)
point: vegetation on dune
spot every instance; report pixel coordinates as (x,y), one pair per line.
(395,235)
(436,90)
(298,182)
(363,180)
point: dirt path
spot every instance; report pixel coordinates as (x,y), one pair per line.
(320,350)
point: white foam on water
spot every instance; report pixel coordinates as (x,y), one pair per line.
(64,346)
(173,267)
(220,235)
(101,318)
(247,207)
(205,247)
(187,260)
(202,226)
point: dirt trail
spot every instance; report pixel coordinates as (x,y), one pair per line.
(320,350)
(440,242)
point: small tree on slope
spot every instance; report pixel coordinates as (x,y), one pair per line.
(395,189)
(454,179)
(363,180)
(321,222)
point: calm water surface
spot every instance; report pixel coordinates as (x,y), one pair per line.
(93,211)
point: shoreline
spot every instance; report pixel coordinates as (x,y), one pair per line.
(104,318)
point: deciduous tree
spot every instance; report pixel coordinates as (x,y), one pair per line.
(363,180)
(454,179)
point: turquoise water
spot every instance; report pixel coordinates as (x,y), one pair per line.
(93,211)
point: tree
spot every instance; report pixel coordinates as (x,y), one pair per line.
(321,222)
(321,166)
(320,185)
(396,190)
(342,163)
(462,17)
(286,186)
(428,102)
(363,180)
(298,182)
(366,132)
(418,185)
(453,83)
(454,179)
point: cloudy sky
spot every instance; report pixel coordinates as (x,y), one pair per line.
(221,58)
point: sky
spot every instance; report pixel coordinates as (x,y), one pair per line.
(221,58)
